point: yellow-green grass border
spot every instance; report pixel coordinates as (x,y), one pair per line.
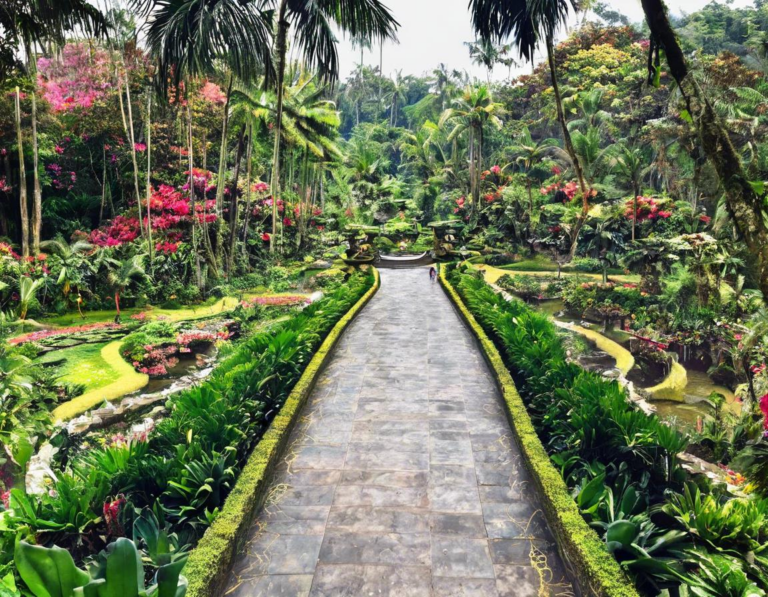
(596,571)
(128,380)
(624,359)
(672,387)
(209,563)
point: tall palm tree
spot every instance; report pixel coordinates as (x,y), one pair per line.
(486,54)
(189,38)
(629,163)
(444,85)
(422,153)
(744,203)
(313,22)
(399,95)
(471,112)
(589,108)
(310,122)
(528,23)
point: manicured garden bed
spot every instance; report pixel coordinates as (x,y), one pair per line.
(187,464)
(670,531)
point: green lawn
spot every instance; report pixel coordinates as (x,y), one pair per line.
(85,365)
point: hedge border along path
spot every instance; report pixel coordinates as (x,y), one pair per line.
(210,561)
(597,572)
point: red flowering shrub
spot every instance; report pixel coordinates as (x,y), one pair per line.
(648,208)
(119,231)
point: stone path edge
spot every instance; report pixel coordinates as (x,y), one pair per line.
(210,562)
(595,571)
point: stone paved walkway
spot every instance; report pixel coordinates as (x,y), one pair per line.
(402,480)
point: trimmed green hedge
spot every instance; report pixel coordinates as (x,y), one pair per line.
(208,566)
(597,571)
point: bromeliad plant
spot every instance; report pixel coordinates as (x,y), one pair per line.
(118,572)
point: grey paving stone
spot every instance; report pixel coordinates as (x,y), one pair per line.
(374,495)
(467,558)
(285,585)
(381,581)
(463,525)
(380,520)
(392,549)
(295,520)
(464,587)
(351,476)
(284,554)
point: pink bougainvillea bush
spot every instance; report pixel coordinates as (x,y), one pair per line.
(170,214)
(81,77)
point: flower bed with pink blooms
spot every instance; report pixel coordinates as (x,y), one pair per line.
(287,300)
(77,329)
(154,350)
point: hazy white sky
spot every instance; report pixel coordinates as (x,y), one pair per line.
(433,31)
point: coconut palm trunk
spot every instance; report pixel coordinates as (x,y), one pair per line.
(23,204)
(128,126)
(233,204)
(569,148)
(635,195)
(222,179)
(192,205)
(282,50)
(744,205)
(248,173)
(37,193)
(149,175)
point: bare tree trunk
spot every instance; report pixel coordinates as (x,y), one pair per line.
(192,206)
(37,197)
(222,183)
(103,182)
(569,148)
(248,169)
(282,49)
(636,193)
(128,125)
(23,207)
(233,202)
(149,176)
(743,203)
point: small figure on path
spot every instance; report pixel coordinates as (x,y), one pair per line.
(432,274)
